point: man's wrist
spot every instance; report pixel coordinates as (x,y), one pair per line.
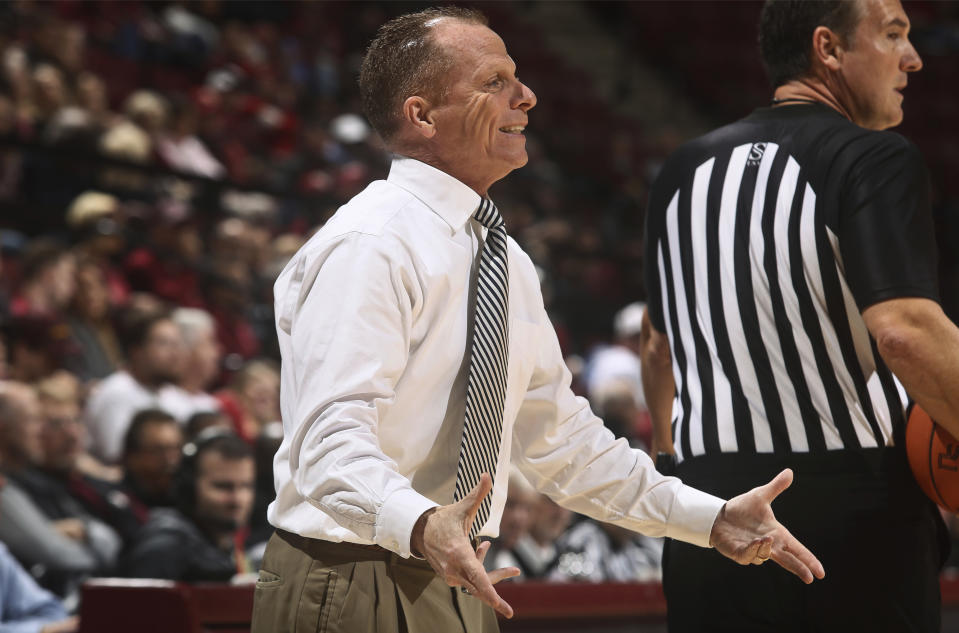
(721,516)
(418,535)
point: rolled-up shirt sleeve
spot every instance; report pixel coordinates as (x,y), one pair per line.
(349,318)
(567,453)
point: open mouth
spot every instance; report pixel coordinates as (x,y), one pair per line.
(513,129)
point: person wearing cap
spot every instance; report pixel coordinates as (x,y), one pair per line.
(96,221)
(613,377)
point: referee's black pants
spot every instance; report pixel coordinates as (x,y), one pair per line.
(881,541)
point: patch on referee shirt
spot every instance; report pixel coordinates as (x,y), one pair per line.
(756,153)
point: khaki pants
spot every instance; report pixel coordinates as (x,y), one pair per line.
(313,586)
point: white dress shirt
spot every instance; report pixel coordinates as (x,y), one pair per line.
(373,320)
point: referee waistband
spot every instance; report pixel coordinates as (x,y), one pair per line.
(887,461)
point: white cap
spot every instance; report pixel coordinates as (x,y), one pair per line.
(349,128)
(629,320)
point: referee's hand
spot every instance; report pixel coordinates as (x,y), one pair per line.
(441,536)
(747,531)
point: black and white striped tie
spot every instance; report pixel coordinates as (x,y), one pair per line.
(486,388)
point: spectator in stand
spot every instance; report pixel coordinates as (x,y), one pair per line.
(59,485)
(39,345)
(613,372)
(48,279)
(91,329)
(97,223)
(201,364)
(204,420)
(60,552)
(50,91)
(21,424)
(593,551)
(4,363)
(203,539)
(148,111)
(264,449)
(253,399)
(521,497)
(167,265)
(228,291)
(536,551)
(181,149)
(25,607)
(126,141)
(92,97)
(154,352)
(152,450)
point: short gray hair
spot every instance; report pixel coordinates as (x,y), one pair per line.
(403,60)
(192,323)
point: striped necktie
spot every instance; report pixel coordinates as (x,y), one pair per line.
(486,388)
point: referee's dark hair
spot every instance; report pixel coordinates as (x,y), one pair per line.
(403,60)
(786,28)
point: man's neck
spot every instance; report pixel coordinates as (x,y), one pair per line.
(143,379)
(223,539)
(809,89)
(191,385)
(424,155)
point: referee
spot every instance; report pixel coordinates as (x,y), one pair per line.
(793,300)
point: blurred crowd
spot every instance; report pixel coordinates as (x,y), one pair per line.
(159,164)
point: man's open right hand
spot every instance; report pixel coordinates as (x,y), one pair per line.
(441,536)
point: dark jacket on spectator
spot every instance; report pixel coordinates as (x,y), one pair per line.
(59,498)
(146,499)
(171,546)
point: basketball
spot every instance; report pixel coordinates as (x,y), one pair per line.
(934,458)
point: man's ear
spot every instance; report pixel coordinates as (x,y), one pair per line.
(418,116)
(827,48)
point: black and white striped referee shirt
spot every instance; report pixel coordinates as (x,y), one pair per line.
(764,241)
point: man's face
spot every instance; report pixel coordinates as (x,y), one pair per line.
(63,280)
(224,491)
(549,520)
(261,396)
(874,67)
(205,356)
(516,515)
(163,353)
(92,294)
(62,435)
(479,125)
(152,465)
(20,435)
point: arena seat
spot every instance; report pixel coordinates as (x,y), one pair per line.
(122,605)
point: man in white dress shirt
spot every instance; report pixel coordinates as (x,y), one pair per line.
(154,351)
(374,318)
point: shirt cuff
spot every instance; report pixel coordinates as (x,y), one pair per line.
(396,518)
(692,516)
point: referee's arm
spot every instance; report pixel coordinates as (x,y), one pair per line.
(658,385)
(921,346)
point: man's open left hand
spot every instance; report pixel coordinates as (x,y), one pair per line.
(747,531)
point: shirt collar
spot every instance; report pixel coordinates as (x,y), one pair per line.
(445,195)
